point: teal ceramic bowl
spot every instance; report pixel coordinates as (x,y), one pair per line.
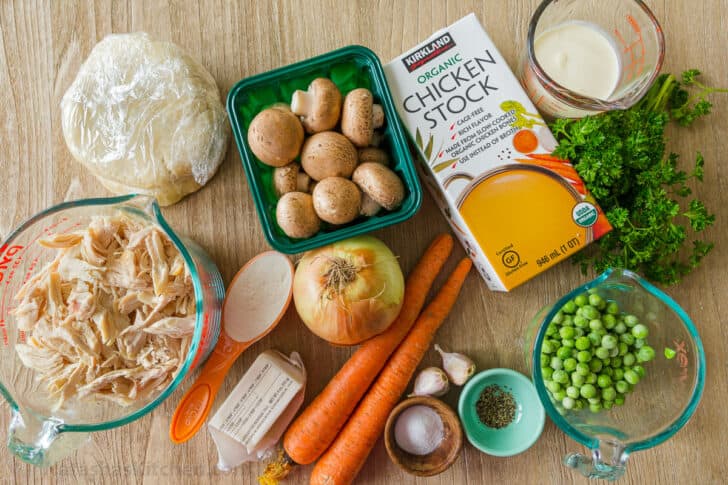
(527,425)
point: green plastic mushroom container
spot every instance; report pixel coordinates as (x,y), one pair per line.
(349,68)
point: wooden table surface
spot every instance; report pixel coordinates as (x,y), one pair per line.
(42,45)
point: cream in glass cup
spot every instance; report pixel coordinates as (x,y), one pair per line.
(587,56)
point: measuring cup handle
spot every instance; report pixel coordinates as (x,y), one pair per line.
(196,404)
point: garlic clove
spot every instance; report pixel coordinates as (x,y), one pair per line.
(431,381)
(458,367)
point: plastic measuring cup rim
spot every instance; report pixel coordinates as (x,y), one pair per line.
(561,422)
(146,207)
(571,98)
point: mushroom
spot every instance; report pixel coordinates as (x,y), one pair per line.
(379,183)
(275,136)
(369,206)
(336,200)
(360,117)
(319,107)
(328,154)
(290,178)
(296,216)
(373,154)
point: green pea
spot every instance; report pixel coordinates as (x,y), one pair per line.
(583,356)
(568,402)
(609,321)
(580,321)
(601,353)
(560,376)
(629,359)
(595,300)
(569,307)
(564,353)
(619,401)
(622,387)
(558,318)
(639,343)
(607,404)
(547,348)
(639,370)
(594,338)
(620,328)
(544,360)
(595,408)
(553,386)
(590,312)
(631,320)
(578,332)
(581,300)
(595,365)
(608,371)
(594,400)
(604,381)
(570,364)
(577,380)
(566,332)
(669,353)
(547,372)
(587,391)
(596,324)
(572,391)
(616,362)
(609,342)
(551,330)
(614,352)
(556,363)
(631,377)
(568,342)
(640,331)
(591,378)
(559,395)
(568,321)
(582,343)
(612,308)
(618,375)
(623,348)
(627,339)
(582,369)
(645,354)
(606,362)
(579,404)
(609,393)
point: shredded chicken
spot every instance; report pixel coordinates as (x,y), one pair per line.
(111,317)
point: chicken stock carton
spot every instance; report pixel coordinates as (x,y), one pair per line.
(486,156)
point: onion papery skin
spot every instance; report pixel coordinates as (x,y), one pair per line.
(367,298)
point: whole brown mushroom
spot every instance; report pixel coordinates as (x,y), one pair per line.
(290,178)
(373,154)
(336,200)
(360,117)
(275,136)
(380,183)
(319,107)
(296,216)
(328,154)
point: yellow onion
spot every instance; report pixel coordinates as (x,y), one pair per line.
(349,291)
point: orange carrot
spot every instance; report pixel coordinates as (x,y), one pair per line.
(343,460)
(525,141)
(316,428)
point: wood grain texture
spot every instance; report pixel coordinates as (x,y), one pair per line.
(42,45)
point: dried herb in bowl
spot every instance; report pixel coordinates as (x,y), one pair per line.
(496,407)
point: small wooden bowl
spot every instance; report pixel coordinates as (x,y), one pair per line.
(439,460)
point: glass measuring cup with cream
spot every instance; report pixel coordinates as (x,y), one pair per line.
(587,56)
(255,302)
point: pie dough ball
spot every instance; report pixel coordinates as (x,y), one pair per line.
(145,117)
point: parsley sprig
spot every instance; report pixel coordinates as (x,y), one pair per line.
(620,155)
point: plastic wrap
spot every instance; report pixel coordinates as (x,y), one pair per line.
(145,117)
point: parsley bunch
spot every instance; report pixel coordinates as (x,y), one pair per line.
(620,155)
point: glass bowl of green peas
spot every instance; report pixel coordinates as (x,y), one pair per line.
(618,366)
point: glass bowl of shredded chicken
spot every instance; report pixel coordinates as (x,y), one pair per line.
(103,312)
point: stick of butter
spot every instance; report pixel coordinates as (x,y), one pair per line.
(258,410)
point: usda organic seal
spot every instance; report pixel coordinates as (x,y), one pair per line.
(584,214)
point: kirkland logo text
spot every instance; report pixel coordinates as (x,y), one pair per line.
(428,52)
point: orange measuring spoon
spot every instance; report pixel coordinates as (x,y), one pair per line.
(261,290)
